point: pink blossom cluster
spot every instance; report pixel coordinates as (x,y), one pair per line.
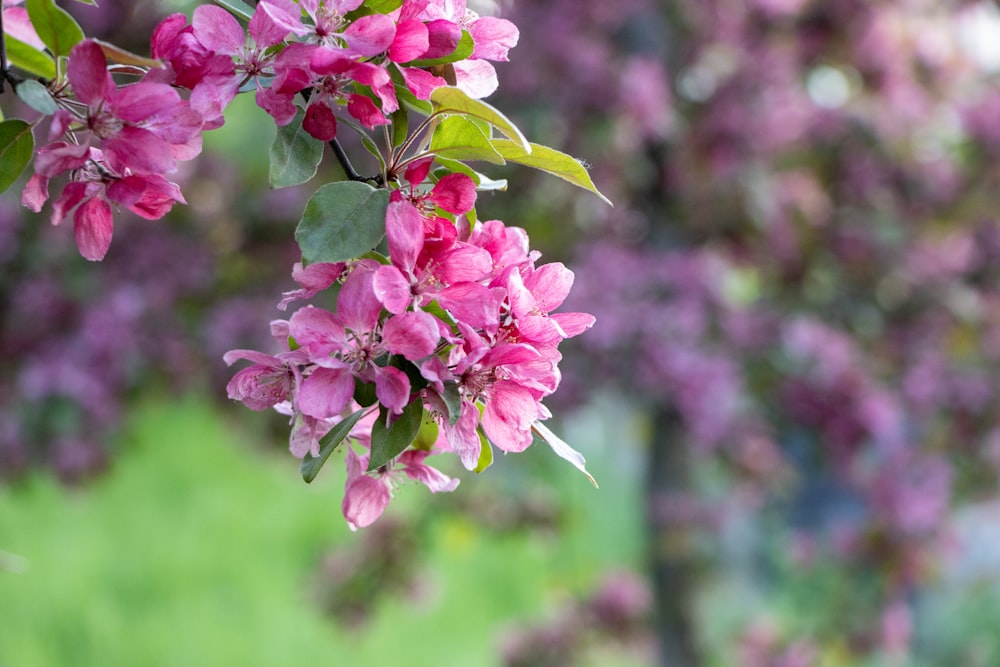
(319,48)
(460,319)
(117,143)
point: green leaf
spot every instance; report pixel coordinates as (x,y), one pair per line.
(295,154)
(55,27)
(117,54)
(383,6)
(92,3)
(237,7)
(30,59)
(364,392)
(453,401)
(407,98)
(485,454)
(449,100)
(342,221)
(550,160)
(463,50)
(37,96)
(400,127)
(562,449)
(459,138)
(388,442)
(311,465)
(427,435)
(16,146)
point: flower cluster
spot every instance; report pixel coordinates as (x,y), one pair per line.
(116,144)
(342,57)
(458,322)
(446,343)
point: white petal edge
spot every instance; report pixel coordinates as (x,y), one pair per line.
(563,450)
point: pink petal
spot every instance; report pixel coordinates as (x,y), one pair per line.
(508,416)
(358,307)
(463,437)
(411,41)
(362,108)
(36,192)
(404,230)
(370,35)
(550,284)
(465,263)
(365,498)
(392,288)
(455,193)
(264,30)
(442,37)
(218,30)
(421,82)
(522,301)
(256,357)
(138,150)
(325,392)
(280,106)
(477,78)
(17,24)
(320,121)
(326,61)
(392,388)
(574,324)
(493,37)
(157,198)
(259,387)
(473,304)
(313,278)
(56,158)
(92,226)
(164,39)
(88,73)
(416,172)
(414,335)
(139,101)
(412,461)
(317,330)
(74,193)
(284,16)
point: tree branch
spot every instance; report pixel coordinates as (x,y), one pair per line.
(349,169)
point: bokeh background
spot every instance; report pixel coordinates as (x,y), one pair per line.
(791,398)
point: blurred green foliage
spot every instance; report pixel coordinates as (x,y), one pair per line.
(202,548)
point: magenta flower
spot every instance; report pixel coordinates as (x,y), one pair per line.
(450,277)
(93,186)
(144,128)
(366,495)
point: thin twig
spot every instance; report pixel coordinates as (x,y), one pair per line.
(349,170)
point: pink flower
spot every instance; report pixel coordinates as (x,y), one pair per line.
(347,344)
(93,186)
(144,128)
(268,382)
(450,276)
(366,495)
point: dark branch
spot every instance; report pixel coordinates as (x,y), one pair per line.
(349,169)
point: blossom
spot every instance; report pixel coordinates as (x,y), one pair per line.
(144,128)
(366,495)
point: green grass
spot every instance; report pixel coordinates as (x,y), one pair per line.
(199,547)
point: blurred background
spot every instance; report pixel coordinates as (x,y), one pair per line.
(791,398)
